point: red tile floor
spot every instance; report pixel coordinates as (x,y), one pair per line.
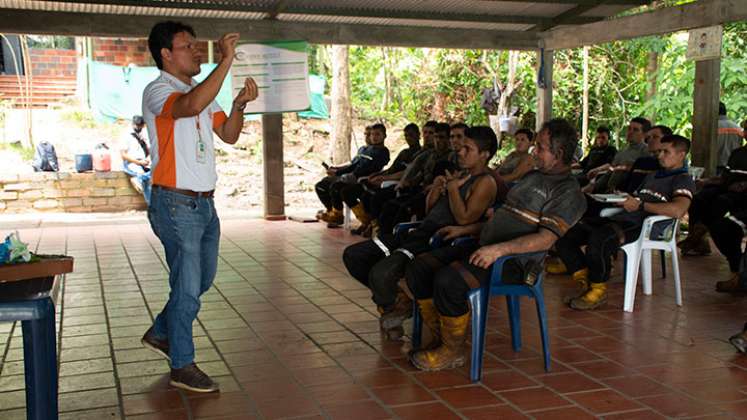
(288,333)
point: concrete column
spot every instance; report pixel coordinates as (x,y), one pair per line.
(272,156)
(544,95)
(705,114)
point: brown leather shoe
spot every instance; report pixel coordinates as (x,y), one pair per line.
(191,378)
(158,345)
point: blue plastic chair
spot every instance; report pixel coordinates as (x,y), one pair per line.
(479,299)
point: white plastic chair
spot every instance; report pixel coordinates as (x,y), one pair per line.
(638,257)
(639,253)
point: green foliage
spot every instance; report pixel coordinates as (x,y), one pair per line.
(27,154)
(82,118)
(52,42)
(424,80)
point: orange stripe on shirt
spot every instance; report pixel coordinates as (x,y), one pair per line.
(165,171)
(731,130)
(218,119)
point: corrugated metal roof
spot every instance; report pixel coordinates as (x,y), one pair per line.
(474,14)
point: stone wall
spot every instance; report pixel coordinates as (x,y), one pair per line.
(68,192)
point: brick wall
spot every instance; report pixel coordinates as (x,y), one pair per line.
(123,51)
(68,192)
(53,63)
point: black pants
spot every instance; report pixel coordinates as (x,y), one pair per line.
(377,199)
(602,239)
(713,202)
(323,190)
(401,209)
(351,194)
(727,235)
(368,263)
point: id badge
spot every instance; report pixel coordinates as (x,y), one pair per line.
(201,151)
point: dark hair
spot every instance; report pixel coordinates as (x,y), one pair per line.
(563,138)
(162,36)
(721,108)
(604,129)
(484,137)
(678,142)
(412,127)
(459,125)
(432,124)
(379,126)
(138,120)
(665,131)
(645,124)
(443,128)
(525,131)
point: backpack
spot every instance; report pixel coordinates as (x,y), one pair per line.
(45,158)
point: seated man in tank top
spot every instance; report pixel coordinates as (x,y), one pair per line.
(458,198)
(538,210)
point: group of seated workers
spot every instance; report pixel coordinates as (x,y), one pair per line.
(369,159)
(544,209)
(720,208)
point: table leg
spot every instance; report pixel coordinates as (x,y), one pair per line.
(40,360)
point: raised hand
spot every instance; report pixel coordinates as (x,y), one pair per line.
(248,93)
(227,45)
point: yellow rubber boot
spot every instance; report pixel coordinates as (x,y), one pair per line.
(431,318)
(335,217)
(360,214)
(555,266)
(581,278)
(595,297)
(451,352)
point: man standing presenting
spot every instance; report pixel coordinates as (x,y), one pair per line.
(181,116)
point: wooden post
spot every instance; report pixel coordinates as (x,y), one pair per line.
(585,140)
(705,114)
(544,95)
(272,156)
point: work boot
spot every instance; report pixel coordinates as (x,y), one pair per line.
(595,297)
(740,340)
(733,285)
(581,277)
(334,217)
(360,230)
(193,379)
(321,214)
(400,311)
(158,345)
(450,354)
(360,214)
(696,242)
(375,228)
(431,319)
(555,266)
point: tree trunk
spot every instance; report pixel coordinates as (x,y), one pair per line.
(508,90)
(386,54)
(652,72)
(342,114)
(438,112)
(585,120)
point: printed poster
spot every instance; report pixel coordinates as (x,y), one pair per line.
(281,70)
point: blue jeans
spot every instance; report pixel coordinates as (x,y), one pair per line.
(144,179)
(189,230)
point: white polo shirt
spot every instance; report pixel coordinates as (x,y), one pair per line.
(178,158)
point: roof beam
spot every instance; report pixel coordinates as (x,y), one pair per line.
(661,21)
(283,8)
(90,24)
(569,15)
